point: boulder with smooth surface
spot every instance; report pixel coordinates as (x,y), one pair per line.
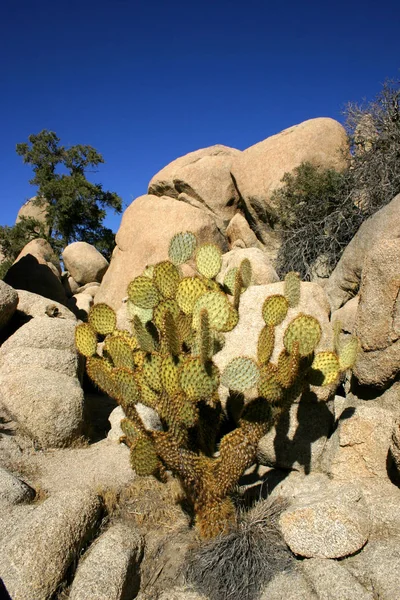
(84,263)
(345,279)
(35,560)
(143,238)
(202,179)
(377,324)
(258,170)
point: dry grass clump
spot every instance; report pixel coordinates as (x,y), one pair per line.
(241,563)
(147,502)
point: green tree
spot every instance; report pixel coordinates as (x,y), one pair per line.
(77,207)
(13,239)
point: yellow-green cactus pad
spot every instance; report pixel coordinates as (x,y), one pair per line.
(208,260)
(324,369)
(184,326)
(129,430)
(144,314)
(148,271)
(160,310)
(256,411)
(120,351)
(229,280)
(198,381)
(86,339)
(288,367)
(187,414)
(128,337)
(305,330)
(232,320)
(128,388)
(266,343)
(143,292)
(181,247)
(144,460)
(147,396)
(171,334)
(218,308)
(166,276)
(152,371)
(138,358)
(100,372)
(246,272)
(170,375)
(145,340)
(275,309)
(102,318)
(188,292)
(204,341)
(348,354)
(269,386)
(292,288)
(240,374)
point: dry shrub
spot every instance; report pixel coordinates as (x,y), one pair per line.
(241,563)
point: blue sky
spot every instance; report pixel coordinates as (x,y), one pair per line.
(146,82)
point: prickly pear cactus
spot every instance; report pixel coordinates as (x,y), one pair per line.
(165,362)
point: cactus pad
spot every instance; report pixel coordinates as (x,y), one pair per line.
(266,343)
(240,374)
(144,459)
(229,280)
(128,389)
(86,339)
(159,312)
(348,354)
(100,372)
(288,366)
(144,314)
(152,371)
(246,272)
(197,380)
(208,260)
(324,369)
(292,288)
(166,276)
(188,292)
(102,318)
(119,351)
(143,292)
(232,320)
(170,375)
(181,247)
(269,386)
(305,330)
(145,340)
(274,309)
(218,308)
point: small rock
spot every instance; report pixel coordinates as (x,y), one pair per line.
(110,568)
(150,419)
(33,305)
(346,315)
(239,231)
(35,560)
(330,524)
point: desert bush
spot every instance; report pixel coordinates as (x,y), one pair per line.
(374,134)
(320,210)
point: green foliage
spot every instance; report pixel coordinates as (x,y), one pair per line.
(167,364)
(13,239)
(77,207)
